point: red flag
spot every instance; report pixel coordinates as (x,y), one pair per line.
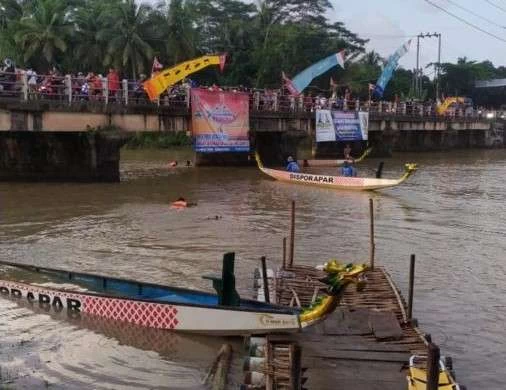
(157,66)
(289,85)
(223,58)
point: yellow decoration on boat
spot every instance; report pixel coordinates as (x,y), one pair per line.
(156,85)
(340,275)
(326,306)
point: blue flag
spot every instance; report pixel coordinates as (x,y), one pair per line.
(304,78)
(386,75)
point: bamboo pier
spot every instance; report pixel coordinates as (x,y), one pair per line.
(365,344)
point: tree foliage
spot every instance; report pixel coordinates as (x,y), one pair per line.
(262,39)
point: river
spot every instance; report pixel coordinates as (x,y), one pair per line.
(450,214)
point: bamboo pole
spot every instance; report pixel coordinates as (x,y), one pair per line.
(371,232)
(220,376)
(284,252)
(265,281)
(292,233)
(411,286)
(433,367)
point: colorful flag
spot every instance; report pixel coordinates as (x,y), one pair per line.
(388,71)
(304,78)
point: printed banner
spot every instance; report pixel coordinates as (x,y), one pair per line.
(341,125)
(220,121)
(393,62)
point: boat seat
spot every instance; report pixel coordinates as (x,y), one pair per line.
(225,285)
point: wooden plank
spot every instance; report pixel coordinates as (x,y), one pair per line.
(363,370)
(330,379)
(348,322)
(385,326)
(394,357)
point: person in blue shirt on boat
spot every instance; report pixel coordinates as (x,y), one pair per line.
(292,165)
(347,169)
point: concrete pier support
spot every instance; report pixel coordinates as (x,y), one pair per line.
(57,156)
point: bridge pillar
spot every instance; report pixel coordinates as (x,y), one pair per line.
(60,156)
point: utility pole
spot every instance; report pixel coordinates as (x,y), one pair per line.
(438,71)
(419,72)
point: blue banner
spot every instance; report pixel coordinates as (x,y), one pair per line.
(304,78)
(386,75)
(341,126)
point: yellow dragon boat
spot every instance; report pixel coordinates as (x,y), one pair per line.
(336,182)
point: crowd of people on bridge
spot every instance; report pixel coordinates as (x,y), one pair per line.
(112,88)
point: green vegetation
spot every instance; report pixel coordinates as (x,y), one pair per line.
(158,140)
(262,39)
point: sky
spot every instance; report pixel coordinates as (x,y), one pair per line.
(389,23)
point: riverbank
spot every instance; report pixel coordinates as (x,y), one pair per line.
(158,140)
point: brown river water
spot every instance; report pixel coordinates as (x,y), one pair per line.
(450,214)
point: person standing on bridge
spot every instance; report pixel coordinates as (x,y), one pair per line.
(113,83)
(292,165)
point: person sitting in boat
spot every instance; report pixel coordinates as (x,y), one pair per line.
(292,165)
(347,169)
(347,152)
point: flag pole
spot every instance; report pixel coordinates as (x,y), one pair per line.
(369,89)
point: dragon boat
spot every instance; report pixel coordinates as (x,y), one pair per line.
(336,182)
(147,304)
(332,163)
(83,295)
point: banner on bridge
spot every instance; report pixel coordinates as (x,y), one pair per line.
(341,125)
(220,121)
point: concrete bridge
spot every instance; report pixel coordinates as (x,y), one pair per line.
(41,140)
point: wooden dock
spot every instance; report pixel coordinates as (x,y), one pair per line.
(365,344)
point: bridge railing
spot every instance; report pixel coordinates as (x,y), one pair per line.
(75,90)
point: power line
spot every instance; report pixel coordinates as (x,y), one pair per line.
(465,21)
(496,6)
(475,14)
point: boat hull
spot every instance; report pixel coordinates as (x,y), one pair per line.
(333,182)
(171,316)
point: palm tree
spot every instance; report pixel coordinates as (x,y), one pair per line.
(90,46)
(11,12)
(128,36)
(176,27)
(44,33)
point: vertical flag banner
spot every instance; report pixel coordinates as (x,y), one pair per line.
(393,62)
(220,121)
(341,126)
(304,78)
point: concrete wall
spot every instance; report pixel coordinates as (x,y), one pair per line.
(59,156)
(70,121)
